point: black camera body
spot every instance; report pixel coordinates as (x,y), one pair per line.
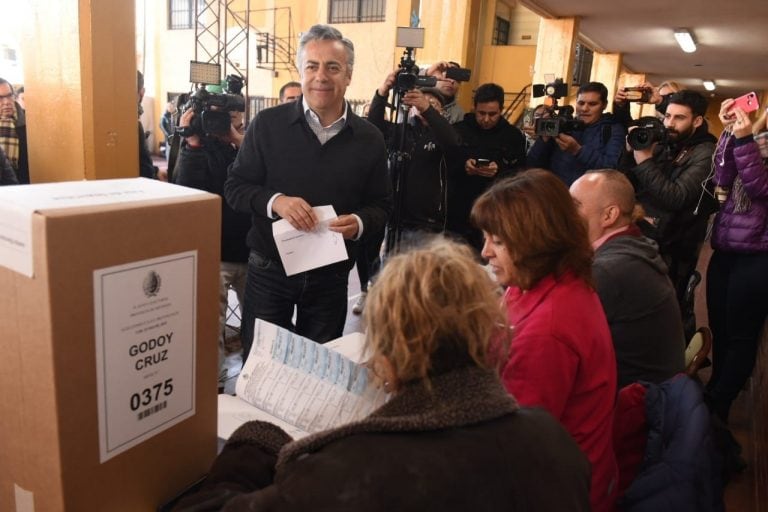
(648,131)
(407,80)
(560,118)
(560,121)
(408,76)
(212,109)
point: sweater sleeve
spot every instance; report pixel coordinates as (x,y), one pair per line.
(377,201)
(244,188)
(541,372)
(446,136)
(246,464)
(622,113)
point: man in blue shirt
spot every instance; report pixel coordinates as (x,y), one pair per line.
(597,146)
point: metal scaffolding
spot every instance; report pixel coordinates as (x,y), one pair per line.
(220,31)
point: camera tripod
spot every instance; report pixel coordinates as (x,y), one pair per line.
(398,157)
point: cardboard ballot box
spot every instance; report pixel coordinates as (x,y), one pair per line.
(109,319)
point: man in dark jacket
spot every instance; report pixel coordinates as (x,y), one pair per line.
(491,149)
(669,180)
(296,156)
(631,280)
(13,132)
(597,146)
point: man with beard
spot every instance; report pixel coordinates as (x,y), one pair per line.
(668,179)
(597,145)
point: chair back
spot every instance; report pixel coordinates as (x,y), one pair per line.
(697,350)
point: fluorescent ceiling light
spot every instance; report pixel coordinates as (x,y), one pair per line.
(709,85)
(685,40)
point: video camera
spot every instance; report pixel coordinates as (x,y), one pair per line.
(408,75)
(561,119)
(212,109)
(649,130)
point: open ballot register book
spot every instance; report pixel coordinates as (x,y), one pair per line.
(300,385)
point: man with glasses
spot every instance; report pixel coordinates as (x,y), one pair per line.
(13,131)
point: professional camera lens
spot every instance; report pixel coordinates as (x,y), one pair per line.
(649,130)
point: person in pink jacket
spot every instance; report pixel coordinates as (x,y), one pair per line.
(561,357)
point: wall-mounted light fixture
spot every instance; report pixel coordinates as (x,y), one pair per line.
(685,40)
(709,85)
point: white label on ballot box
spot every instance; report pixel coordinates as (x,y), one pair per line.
(145,348)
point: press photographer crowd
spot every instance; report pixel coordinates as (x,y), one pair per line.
(527,284)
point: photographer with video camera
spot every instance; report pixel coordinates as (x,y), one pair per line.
(569,147)
(205,155)
(668,168)
(424,176)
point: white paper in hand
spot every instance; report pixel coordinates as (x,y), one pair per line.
(304,250)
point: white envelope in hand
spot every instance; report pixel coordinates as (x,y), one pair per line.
(304,250)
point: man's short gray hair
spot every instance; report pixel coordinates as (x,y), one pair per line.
(325,33)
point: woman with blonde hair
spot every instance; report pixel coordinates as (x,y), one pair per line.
(450,438)
(561,356)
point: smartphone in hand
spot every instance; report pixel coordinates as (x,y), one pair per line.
(483,162)
(748,103)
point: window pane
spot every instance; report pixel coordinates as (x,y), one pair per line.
(180,14)
(372,10)
(354,11)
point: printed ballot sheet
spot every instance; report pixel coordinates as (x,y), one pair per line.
(300,385)
(304,250)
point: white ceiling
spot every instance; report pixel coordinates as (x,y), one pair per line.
(731,36)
